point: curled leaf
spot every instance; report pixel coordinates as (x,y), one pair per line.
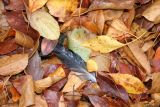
(104,44)
(11,65)
(24,40)
(132,84)
(45,24)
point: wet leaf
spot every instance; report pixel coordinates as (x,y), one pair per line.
(36,4)
(45,24)
(152,12)
(132,84)
(103,44)
(27,95)
(11,65)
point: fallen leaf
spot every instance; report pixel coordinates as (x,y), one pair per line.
(104,44)
(36,4)
(14,93)
(15,5)
(34,67)
(107,85)
(60,8)
(83,104)
(156,61)
(52,98)
(73,83)
(111,4)
(74,43)
(58,85)
(40,102)
(152,12)
(45,24)
(155,88)
(132,84)
(14,64)
(112,14)
(140,56)
(8,46)
(27,96)
(47,46)
(58,72)
(91,65)
(24,40)
(147,46)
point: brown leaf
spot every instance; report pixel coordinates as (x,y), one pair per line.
(107,85)
(112,14)
(40,102)
(156,61)
(140,56)
(24,40)
(15,5)
(58,85)
(34,67)
(8,46)
(21,25)
(11,65)
(111,4)
(27,96)
(15,94)
(52,98)
(155,83)
(36,4)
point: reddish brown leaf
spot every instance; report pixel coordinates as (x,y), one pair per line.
(85,3)
(107,85)
(52,98)
(8,46)
(15,94)
(156,61)
(15,5)
(58,85)
(34,67)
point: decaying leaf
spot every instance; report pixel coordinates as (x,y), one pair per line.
(140,56)
(14,64)
(152,12)
(36,4)
(104,44)
(28,95)
(24,40)
(132,84)
(45,24)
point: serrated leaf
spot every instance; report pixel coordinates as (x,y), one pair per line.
(45,24)
(14,64)
(36,4)
(75,40)
(104,44)
(131,83)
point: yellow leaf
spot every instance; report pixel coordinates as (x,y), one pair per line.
(59,8)
(104,44)
(59,72)
(11,65)
(132,84)
(36,4)
(92,65)
(45,24)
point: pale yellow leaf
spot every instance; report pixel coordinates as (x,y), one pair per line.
(45,24)
(14,64)
(73,83)
(131,83)
(152,13)
(104,44)
(59,8)
(140,56)
(36,4)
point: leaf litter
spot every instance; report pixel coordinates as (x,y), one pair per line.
(79,53)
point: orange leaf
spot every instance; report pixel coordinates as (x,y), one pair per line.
(15,94)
